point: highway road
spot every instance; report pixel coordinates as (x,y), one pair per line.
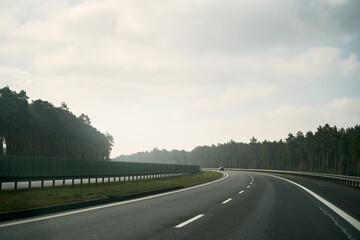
(242,206)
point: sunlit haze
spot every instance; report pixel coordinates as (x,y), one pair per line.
(180,74)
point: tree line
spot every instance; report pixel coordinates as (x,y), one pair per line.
(328,149)
(40,129)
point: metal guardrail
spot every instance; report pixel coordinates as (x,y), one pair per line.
(341,179)
(28,169)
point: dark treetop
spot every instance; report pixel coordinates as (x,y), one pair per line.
(42,130)
(329,150)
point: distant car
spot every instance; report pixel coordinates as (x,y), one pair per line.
(221,169)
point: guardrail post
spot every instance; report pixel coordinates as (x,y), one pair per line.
(102,180)
(63,182)
(81,181)
(29,184)
(42,183)
(89,181)
(53,182)
(72,182)
(15,185)
(0,186)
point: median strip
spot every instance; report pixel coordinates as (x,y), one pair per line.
(189,221)
(35,219)
(54,196)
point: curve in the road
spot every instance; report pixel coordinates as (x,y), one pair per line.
(341,213)
(108,205)
(270,208)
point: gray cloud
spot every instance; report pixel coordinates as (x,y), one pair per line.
(177,74)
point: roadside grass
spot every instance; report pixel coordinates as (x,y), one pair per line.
(11,200)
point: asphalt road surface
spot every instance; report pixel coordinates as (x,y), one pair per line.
(242,206)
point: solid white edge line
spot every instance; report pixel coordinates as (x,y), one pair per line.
(241,192)
(17,222)
(226,201)
(355,223)
(189,221)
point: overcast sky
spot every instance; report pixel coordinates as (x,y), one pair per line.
(180,74)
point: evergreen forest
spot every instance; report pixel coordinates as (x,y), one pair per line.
(329,150)
(42,130)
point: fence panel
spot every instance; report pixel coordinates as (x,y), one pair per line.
(34,166)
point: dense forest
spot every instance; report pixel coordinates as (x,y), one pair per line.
(42,130)
(329,149)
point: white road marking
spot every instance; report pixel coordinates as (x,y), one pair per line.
(189,221)
(355,223)
(226,201)
(35,219)
(248,186)
(250,183)
(241,192)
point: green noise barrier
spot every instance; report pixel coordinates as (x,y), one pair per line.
(33,166)
(16,169)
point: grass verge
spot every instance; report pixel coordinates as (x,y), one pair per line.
(11,200)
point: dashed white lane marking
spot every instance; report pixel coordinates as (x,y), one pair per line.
(241,192)
(35,219)
(250,183)
(248,186)
(355,223)
(189,221)
(226,201)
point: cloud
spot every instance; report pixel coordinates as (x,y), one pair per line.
(234,96)
(177,74)
(16,77)
(314,64)
(350,65)
(276,123)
